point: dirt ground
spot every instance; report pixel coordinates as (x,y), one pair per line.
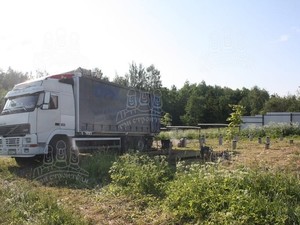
(279,154)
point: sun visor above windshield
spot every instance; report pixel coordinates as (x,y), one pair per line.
(25,89)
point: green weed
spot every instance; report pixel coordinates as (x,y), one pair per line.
(207,194)
(23,204)
(139,174)
(98,166)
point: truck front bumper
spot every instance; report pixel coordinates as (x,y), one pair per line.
(25,146)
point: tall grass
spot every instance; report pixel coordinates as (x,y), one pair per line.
(139,174)
(23,204)
(209,194)
(212,195)
(98,165)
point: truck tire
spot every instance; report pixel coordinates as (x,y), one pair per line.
(141,145)
(60,148)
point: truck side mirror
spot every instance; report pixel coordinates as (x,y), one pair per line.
(46,100)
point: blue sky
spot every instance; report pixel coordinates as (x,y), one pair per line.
(227,43)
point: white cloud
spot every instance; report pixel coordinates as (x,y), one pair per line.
(296,30)
(284,38)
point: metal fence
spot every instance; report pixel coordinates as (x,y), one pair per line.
(271,117)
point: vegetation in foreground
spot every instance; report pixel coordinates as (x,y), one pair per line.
(257,186)
(207,194)
(27,202)
(210,194)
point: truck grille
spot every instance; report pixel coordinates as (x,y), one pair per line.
(12,142)
(15,130)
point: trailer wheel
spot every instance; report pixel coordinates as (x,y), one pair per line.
(141,144)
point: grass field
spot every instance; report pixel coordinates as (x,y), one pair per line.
(27,201)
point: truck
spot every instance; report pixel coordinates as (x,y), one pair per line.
(76,109)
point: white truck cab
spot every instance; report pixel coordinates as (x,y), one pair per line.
(34,112)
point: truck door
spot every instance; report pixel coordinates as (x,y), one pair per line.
(48,116)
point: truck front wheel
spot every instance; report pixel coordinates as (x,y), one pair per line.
(59,148)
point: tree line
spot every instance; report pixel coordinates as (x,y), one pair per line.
(189,105)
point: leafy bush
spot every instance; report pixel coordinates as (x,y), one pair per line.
(276,129)
(141,174)
(255,131)
(190,134)
(290,130)
(163,136)
(209,195)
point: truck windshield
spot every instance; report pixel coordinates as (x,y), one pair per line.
(19,104)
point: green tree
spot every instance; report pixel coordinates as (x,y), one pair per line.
(38,74)
(276,103)
(166,120)
(245,101)
(136,76)
(211,105)
(8,80)
(206,103)
(235,120)
(224,97)
(185,103)
(153,78)
(139,77)
(257,98)
(11,77)
(170,99)
(193,111)
(96,72)
(121,80)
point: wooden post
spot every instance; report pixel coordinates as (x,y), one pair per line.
(268,140)
(220,139)
(267,146)
(234,144)
(201,141)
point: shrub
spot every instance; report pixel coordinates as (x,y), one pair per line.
(274,130)
(141,174)
(210,195)
(255,131)
(163,136)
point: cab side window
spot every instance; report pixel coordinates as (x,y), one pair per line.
(53,104)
